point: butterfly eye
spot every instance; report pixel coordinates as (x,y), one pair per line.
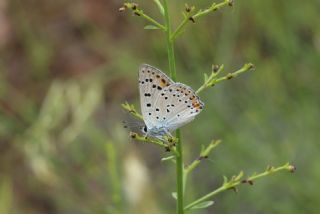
(145,129)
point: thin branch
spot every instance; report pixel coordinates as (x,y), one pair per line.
(188,16)
(179,29)
(132,110)
(214,7)
(246,67)
(236,180)
(139,12)
(203,155)
(173,75)
(207,80)
(169,143)
(144,139)
(213,79)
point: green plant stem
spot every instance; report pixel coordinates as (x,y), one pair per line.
(180,174)
(245,68)
(153,21)
(179,29)
(188,17)
(233,183)
(214,7)
(170,43)
(116,198)
(132,110)
(144,139)
(203,154)
(140,12)
(173,75)
(213,79)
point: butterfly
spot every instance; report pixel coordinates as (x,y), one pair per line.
(165,105)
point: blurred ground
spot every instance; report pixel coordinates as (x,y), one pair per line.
(66,66)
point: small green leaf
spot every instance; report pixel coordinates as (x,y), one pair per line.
(239,176)
(202,149)
(205,77)
(151,27)
(203,205)
(159,6)
(167,158)
(174,195)
(225,179)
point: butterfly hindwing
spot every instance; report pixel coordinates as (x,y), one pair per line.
(178,104)
(152,82)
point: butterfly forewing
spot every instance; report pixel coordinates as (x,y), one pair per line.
(151,84)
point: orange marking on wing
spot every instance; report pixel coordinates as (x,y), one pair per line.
(163,83)
(196,104)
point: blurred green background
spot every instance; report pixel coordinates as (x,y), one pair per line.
(66,67)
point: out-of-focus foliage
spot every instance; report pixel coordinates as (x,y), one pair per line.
(66,67)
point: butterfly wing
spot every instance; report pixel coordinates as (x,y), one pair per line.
(152,82)
(177,105)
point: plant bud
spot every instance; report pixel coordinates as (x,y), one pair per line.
(134,6)
(292,168)
(133,135)
(229,76)
(215,68)
(188,9)
(192,19)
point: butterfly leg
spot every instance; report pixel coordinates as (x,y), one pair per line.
(167,135)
